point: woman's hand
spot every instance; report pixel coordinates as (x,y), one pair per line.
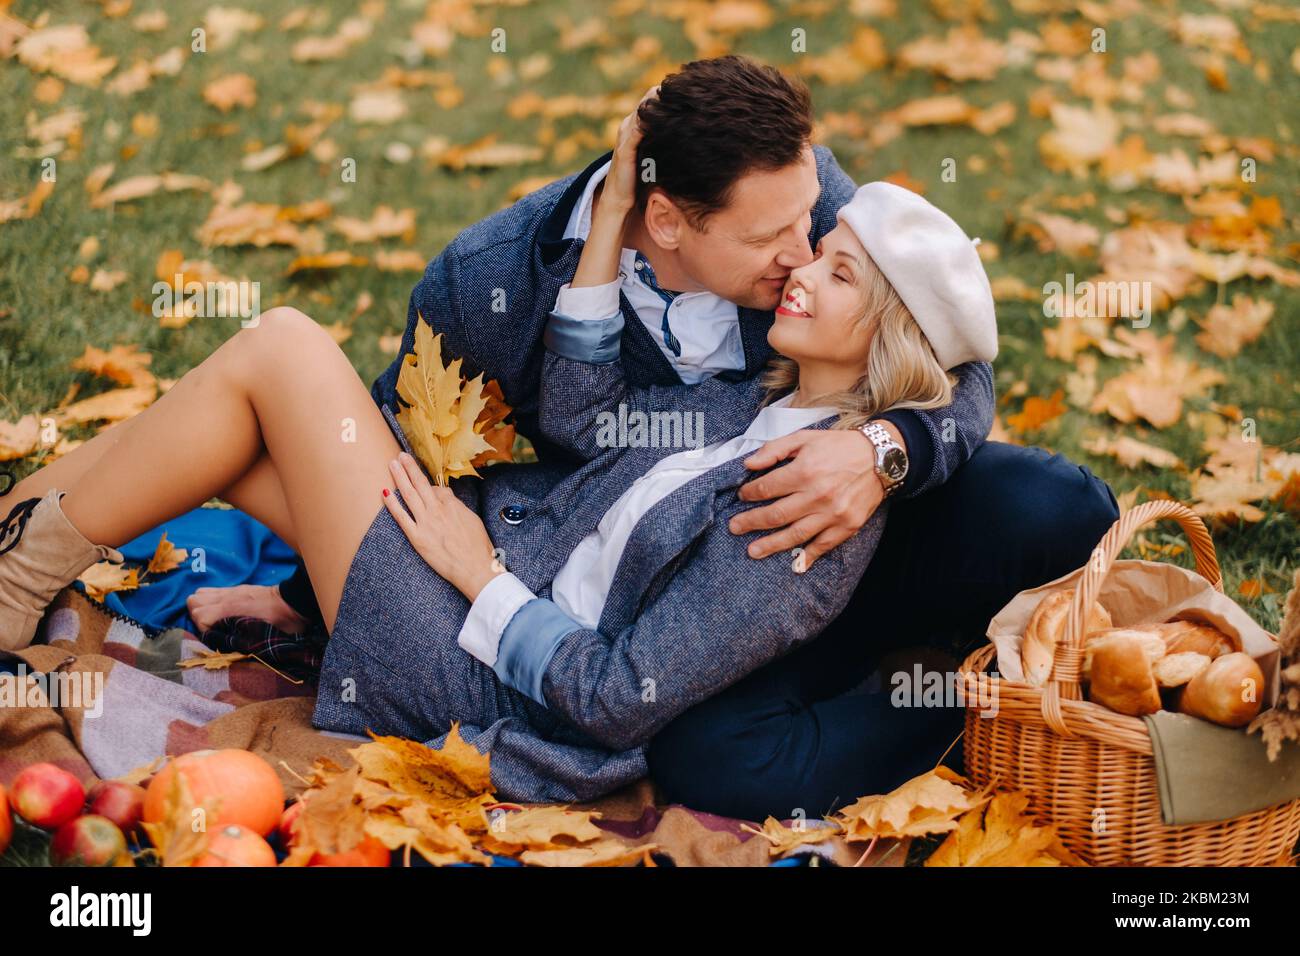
(449,536)
(598,264)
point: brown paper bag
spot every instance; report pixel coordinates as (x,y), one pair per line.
(1144,592)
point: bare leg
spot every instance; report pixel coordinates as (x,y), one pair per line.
(258,487)
(62,472)
(257,491)
(283,387)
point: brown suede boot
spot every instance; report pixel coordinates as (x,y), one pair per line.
(41,553)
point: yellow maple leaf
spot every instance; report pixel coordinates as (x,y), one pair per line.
(19,439)
(346,806)
(124,364)
(326,260)
(1239,472)
(166,557)
(430,833)
(440,420)
(140,775)
(540,828)
(605,853)
(330,822)
(1132,453)
(105,577)
(456,775)
(491,426)
(176,840)
(112,406)
(1253,588)
(1002,834)
(1227,329)
(783,839)
(214,660)
(1153,390)
(928,803)
(1038,412)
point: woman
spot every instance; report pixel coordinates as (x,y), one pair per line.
(628,599)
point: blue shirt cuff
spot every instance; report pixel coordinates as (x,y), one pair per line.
(920,448)
(594,341)
(528,644)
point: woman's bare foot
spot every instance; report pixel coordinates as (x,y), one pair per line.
(207,606)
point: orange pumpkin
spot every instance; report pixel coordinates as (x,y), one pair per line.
(369,852)
(233,845)
(242,786)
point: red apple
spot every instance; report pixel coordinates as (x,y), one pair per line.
(47,796)
(6,821)
(285,826)
(88,841)
(119,801)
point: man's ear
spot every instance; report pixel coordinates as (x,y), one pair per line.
(663,220)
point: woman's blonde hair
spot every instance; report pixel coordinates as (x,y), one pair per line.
(901,370)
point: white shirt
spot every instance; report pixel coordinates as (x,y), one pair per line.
(706,326)
(582,584)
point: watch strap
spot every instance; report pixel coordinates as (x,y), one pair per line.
(883,442)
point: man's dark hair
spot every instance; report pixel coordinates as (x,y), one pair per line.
(713,122)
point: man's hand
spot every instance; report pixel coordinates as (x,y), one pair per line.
(619,186)
(825,494)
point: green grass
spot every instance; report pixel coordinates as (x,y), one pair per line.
(48,320)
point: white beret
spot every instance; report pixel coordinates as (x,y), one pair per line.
(933,266)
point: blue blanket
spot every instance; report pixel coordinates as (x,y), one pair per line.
(226,547)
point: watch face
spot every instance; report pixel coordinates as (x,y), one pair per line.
(895,464)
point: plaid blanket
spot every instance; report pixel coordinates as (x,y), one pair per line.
(137,704)
(296,655)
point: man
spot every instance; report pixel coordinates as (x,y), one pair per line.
(733,197)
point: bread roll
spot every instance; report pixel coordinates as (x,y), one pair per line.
(1174,670)
(1046,628)
(1183,636)
(1121,676)
(1152,644)
(1223,692)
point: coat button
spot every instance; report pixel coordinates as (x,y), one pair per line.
(513,514)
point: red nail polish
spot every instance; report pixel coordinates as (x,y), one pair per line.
(385,492)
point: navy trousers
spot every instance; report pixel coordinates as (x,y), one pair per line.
(804,735)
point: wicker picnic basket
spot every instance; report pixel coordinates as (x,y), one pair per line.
(1072,756)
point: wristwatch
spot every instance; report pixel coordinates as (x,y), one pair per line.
(891,459)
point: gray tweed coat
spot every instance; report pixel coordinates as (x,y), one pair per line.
(688,612)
